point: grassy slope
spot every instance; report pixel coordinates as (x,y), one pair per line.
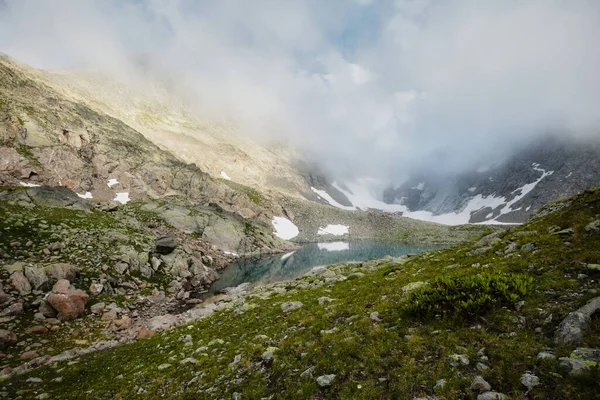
(400,356)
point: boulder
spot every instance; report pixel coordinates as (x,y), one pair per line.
(491,396)
(70,303)
(47,310)
(20,282)
(7,338)
(325,380)
(96,288)
(162,322)
(290,306)
(61,271)
(13,309)
(36,276)
(166,244)
(481,385)
(570,330)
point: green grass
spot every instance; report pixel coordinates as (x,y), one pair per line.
(400,355)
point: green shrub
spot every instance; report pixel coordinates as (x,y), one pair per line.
(467,296)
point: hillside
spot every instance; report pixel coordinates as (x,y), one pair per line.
(491,319)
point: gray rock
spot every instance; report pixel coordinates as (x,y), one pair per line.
(481,367)
(570,330)
(166,244)
(7,338)
(162,367)
(529,380)
(545,355)
(325,380)
(592,226)
(528,248)
(491,396)
(307,373)
(374,316)
(290,306)
(267,355)
(481,385)
(458,360)
(47,310)
(36,276)
(162,322)
(97,308)
(96,288)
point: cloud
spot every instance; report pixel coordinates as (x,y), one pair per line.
(376,88)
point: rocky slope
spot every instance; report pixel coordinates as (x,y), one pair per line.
(512,315)
(510,191)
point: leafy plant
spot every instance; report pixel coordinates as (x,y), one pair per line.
(468,296)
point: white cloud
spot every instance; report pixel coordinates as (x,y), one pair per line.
(367,90)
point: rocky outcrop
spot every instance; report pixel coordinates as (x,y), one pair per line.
(570,330)
(69,303)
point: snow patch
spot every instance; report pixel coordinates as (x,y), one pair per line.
(284,228)
(363,199)
(86,195)
(568,176)
(420,186)
(231,254)
(335,230)
(27,184)
(112,182)
(225,176)
(287,255)
(122,198)
(334,246)
(330,199)
(472,189)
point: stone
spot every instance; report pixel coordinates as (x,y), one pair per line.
(528,248)
(28,355)
(325,380)
(166,244)
(481,367)
(70,303)
(291,306)
(491,396)
(38,316)
(144,333)
(162,367)
(60,271)
(162,322)
(374,316)
(123,323)
(38,329)
(36,276)
(324,299)
(13,309)
(480,385)
(570,330)
(47,310)
(529,380)
(20,282)
(565,232)
(7,338)
(109,315)
(581,359)
(267,355)
(97,308)
(412,286)
(96,289)
(545,355)
(458,359)
(592,226)
(307,373)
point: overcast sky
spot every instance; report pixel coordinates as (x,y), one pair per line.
(368,87)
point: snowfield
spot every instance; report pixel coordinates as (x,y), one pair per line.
(122,198)
(335,230)
(284,228)
(363,199)
(225,176)
(86,195)
(334,246)
(112,182)
(27,184)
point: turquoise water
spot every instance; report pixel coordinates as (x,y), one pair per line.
(280,267)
